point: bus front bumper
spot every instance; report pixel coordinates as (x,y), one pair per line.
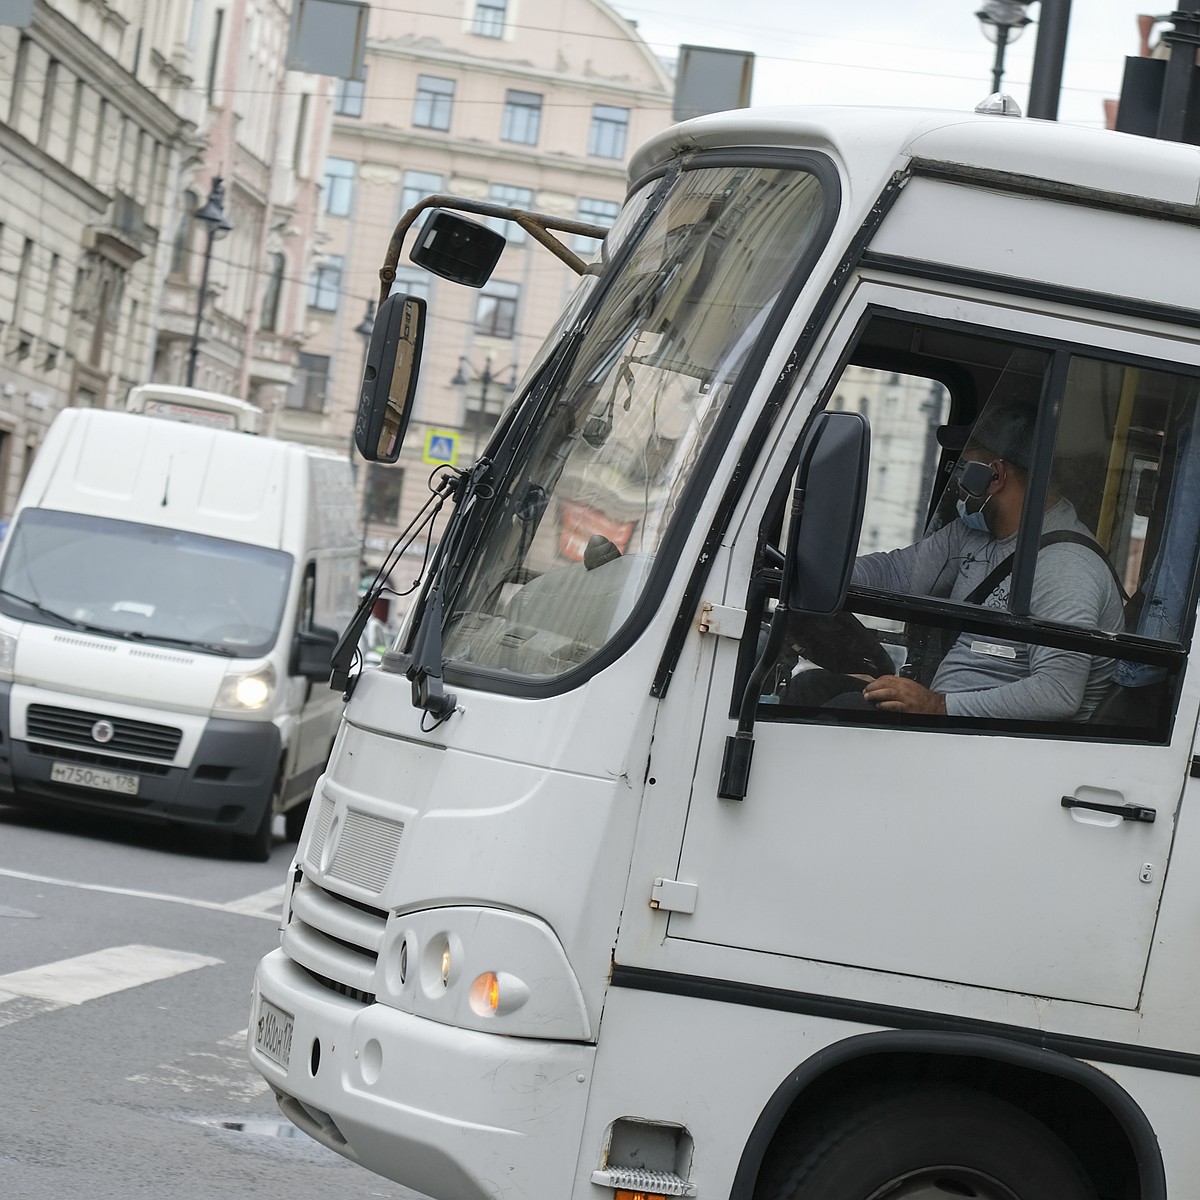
(453,1113)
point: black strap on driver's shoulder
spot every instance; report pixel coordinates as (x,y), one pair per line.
(1056,536)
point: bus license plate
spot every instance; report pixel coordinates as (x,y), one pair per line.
(90,777)
(273,1032)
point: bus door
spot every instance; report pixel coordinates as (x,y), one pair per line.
(1019,840)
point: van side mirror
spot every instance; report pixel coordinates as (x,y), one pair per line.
(827,512)
(390,378)
(457,249)
(312,653)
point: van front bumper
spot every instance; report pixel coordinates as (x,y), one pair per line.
(453,1113)
(226,785)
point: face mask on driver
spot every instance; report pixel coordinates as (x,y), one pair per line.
(973,520)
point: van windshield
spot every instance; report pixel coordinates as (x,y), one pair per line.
(603,464)
(142,581)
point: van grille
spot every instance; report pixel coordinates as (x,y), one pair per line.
(335,939)
(129,737)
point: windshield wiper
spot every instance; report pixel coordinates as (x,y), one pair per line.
(136,635)
(128,635)
(38,606)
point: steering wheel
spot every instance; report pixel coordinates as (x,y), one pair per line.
(839,642)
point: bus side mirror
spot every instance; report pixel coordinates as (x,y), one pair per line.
(457,249)
(390,378)
(827,512)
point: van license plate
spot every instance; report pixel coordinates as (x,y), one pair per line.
(90,777)
(273,1032)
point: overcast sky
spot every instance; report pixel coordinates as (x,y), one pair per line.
(896,52)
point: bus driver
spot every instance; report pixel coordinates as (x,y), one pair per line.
(970,559)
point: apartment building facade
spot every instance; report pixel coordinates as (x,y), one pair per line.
(115,116)
(530,103)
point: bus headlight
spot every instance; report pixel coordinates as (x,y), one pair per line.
(481,968)
(244,692)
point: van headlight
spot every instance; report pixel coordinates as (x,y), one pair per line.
(481,968)
(245,692)
(8,655)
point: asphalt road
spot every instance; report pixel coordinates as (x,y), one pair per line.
(126,959)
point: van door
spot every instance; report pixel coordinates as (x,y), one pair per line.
(1018,841)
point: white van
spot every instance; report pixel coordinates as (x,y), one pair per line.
(715,869)
(169,590)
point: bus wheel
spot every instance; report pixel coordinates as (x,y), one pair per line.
(257,846)
(927,1143)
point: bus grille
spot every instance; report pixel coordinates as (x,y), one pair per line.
(75,727)
(335,939)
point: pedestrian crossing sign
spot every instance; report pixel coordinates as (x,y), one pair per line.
(440,447)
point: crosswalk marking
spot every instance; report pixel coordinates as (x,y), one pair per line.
(261,904)
(89,976)
(249,906)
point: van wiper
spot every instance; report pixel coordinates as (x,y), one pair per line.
(128,635)
(136,635)
(38,606)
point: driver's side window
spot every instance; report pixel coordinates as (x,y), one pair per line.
(1025,504)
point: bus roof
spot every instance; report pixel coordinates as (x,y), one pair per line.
(871,144)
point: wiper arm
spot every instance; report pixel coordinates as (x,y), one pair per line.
(137,635)
(38,606)
(128,635)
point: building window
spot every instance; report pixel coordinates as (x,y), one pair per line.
(269,318)
(338,186)
(325,284)
(435,99)
(411,281)
(514,197)
(348,99)
(522,117)
(214,54)
(610,126)
(416,186)
(385,486)
(183,235)
(308,392)
(595,212)
(489,18)
(496,310)
(49,91)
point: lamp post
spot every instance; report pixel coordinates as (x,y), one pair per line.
(1002,22)
(212,213)
(365,328)
(466,372)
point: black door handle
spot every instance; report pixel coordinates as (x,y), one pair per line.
(1127,812)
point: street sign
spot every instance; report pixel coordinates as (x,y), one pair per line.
(440,447)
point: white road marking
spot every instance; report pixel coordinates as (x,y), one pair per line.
(250,906)
(225,1072)
(90,976)
(261,904)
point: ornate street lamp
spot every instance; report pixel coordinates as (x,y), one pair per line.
(212,213)
(1002,22)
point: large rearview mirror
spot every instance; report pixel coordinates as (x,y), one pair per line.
(827,512)
(457,249)
(390,378)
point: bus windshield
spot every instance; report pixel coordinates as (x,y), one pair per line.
(575,526)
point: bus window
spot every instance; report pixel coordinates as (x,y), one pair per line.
(1014,524)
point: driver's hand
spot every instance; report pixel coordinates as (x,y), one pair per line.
(893,693)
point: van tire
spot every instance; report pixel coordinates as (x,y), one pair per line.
(915,1142)
(257,846)
(293,821)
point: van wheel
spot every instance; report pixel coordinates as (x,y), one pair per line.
(924,1144)
(293,821)
(257,846)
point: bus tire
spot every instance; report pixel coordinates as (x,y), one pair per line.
(917,1143)
(257,846)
